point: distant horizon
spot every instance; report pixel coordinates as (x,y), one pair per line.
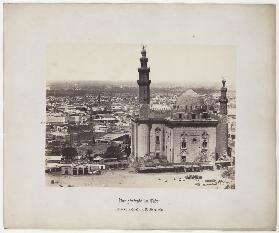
(155,83)
(174,64)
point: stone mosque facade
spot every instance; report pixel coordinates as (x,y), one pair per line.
(184,133)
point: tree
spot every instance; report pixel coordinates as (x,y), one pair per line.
(127,140)
(113,152)
(127,150)
(69,153)
(89,152)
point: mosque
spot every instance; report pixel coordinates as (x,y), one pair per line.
(186,132)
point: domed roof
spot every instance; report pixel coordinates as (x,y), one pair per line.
(189,98)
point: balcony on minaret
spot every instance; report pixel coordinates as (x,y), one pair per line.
(223,99)
(144,70)
(143,62)
(143,82)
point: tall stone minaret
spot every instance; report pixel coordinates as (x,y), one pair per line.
(143,128)
(222,128)
(223,100)
(144,85)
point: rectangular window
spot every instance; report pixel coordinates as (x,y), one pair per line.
(157,140)
(179,115)
(204,144)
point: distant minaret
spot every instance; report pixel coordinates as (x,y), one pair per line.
(222,128)
(223,99)
(99,99)
(144,85)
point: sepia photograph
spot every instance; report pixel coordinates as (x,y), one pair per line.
(139,116)
(169,122)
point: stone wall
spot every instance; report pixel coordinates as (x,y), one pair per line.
(169,144)
(143,142)
(194,142)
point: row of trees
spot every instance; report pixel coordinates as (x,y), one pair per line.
(70,153)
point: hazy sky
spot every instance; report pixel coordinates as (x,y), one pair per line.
(168,63)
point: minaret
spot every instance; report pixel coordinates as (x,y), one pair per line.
(144,82)
(223,100)
(99,99)
(143,128)
(144,85)
(222,128)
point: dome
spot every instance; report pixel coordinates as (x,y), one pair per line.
(190,99)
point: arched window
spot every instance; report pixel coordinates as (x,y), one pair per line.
(204,135)
(157,130)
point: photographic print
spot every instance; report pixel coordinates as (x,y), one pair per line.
(130,123)
(139,116)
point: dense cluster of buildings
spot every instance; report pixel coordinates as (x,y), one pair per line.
(89,124)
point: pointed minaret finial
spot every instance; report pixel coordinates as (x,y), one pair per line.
(143,51)
(223,81)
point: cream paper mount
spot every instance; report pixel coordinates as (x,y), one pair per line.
(193,44)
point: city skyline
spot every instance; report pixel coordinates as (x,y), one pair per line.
(171,63)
